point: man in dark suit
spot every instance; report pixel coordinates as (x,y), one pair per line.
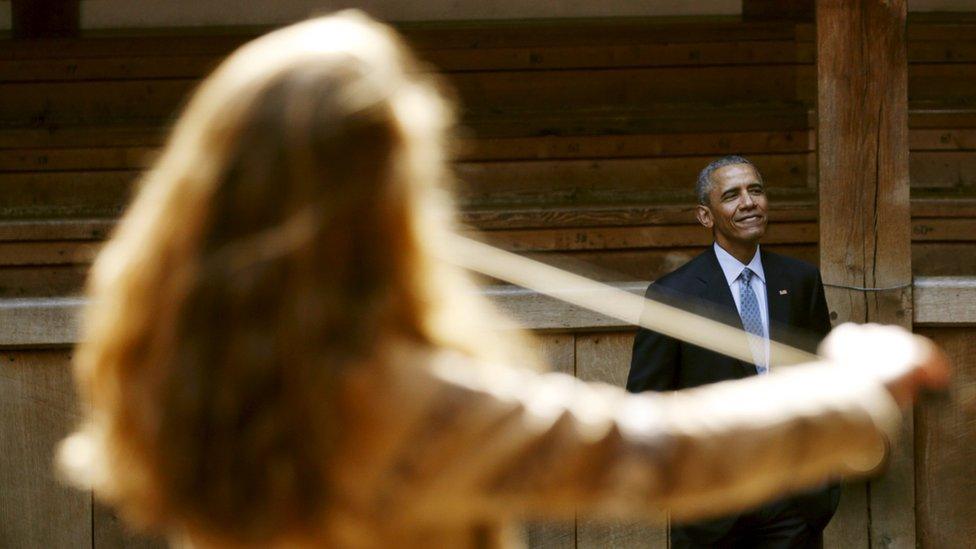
(767,295)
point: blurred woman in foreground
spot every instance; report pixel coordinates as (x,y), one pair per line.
(275,357)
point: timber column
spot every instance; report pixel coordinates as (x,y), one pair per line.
(865,219)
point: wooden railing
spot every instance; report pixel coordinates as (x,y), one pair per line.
(38,408)
(52,322)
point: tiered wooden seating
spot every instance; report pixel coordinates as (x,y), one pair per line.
(580,140)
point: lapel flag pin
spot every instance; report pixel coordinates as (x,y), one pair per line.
(784,292)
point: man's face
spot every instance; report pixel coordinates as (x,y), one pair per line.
(736,210)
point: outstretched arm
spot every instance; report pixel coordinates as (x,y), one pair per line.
(505,441)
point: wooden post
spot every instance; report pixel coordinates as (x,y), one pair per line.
(865,238)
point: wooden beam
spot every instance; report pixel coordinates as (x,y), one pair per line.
(47,322)
(945,301)
(777,10)
(39,322)
(45,18)
(865,237)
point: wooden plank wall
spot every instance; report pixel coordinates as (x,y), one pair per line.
(38,408)
(581,144)
(945,439)
(582,140)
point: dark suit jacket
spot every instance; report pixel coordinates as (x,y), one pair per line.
(797,316)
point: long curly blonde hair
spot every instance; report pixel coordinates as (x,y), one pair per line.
(285,235)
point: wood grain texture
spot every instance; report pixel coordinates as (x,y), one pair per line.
(13,230)
(943,259)
(639,145)
(932,217)
(645,263)
(65,194)
(945,444)
(943,169)
(70,252)
(37,409)
(666,117)
(634,87)
(939,301)
(39,322)
(928,229)
(111,531)
(864,205)
(541,312)
(92,102)
(80,159)
(559,352)
(42,281)
(796,208)
(943,301)
(605,357)
(611,180)
(848,527)
(610,238)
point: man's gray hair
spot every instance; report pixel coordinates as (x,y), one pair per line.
(704,185)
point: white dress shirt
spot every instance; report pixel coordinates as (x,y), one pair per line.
(732,268)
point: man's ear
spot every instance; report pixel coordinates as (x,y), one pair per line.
(704,216)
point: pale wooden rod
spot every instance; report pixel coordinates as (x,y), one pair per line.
(612,302)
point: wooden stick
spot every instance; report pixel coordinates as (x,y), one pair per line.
(607,300)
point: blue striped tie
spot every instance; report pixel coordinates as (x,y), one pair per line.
(752,319)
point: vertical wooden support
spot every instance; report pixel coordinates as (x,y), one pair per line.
(864,204)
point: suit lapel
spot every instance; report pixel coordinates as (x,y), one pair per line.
(778,302)
(717,289)
(718,294)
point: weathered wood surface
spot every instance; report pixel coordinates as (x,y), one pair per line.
(932,258)
(110,531)
(865,238)
(34,281)
(39,322)
(37,409)
(559,352)
(540,312)
(945,449)
(609,238)
(65,194)
(606,358)
(610,180)
(939,301)
(931,217)
(945,301)
(848,527)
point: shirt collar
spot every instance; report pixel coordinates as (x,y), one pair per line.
(732,267)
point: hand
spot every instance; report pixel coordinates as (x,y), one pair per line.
(905,363)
